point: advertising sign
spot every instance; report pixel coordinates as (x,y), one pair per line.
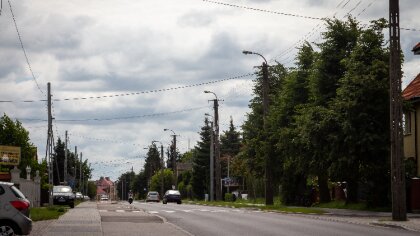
(9,155)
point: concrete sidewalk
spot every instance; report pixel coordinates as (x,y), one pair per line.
(84,219)
(382,219)
(106,218)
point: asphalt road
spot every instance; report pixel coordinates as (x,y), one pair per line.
(210,221)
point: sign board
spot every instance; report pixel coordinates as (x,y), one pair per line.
(9,155)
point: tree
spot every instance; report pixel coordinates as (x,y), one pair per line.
(12,133)
(230,143)
(201,162)
(362,103)
(152,163)
(156,182)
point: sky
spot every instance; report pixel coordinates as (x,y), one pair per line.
(123,71)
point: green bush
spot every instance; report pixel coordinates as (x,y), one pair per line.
(228,197)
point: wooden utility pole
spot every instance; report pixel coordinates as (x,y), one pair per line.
(399,209)
(211,162)
(65,158)
(268,168)
(217,151)
(49,149)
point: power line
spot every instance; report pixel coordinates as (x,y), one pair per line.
(263,10)
(134,93)
(118,118)
(23,48)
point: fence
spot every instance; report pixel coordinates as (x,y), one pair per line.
(30,188)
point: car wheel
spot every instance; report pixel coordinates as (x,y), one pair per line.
(178,202)
(72,205)
(7,230)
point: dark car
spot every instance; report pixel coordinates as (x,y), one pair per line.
(172,196)
(14,211)
(63,195)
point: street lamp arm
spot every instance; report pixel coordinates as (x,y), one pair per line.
(256,53)
(169,130)
(212,93)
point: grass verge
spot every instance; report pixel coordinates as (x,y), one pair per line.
(278,208)
(352,206)
(47,213)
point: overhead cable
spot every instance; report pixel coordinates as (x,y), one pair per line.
(135,93)
(263,10)
(118,118)
(23,49)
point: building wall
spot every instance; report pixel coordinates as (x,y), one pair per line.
(410,141)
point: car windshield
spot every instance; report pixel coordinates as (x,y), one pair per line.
(173,192)
(61,189)
(153,193)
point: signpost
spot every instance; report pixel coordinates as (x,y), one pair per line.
(9,156)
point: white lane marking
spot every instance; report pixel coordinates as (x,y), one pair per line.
(136,211)
(153,212)
(219,211)
(103,210)
(169,211)
(120,210)
(186,210)
(204,210)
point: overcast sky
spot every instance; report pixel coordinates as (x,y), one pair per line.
(163,54)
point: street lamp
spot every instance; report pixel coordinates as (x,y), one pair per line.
(173,158)
(217,147)
(211,159)
(268,169)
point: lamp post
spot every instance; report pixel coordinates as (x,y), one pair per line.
(173,158)
(268,169)
(211,159)
(217,147)
(161,170)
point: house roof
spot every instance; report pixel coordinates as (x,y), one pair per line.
(416,49)
(104,182)
(99,190)
(412,90)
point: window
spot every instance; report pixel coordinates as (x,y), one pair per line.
(407,123)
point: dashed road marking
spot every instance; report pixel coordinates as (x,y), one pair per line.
(153,212)
(120,210)
(169,211)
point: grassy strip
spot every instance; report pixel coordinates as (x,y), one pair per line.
(278,208)
(351,206)
(47,213)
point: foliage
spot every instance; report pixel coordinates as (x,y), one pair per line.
(201,163)
(156,181)
(12,133)
(46,213)
(152,163)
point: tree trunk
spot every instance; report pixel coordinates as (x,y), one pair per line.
(324,192)
(351,189)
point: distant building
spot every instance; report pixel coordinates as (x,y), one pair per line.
(105,188)
(411,122)
(416,49)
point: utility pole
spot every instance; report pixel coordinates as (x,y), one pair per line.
(211,162)
(399,208)
(267,150)
(217,151)
(65,158)
(268,168)
(49,149)
(174,162)
(161,171)
(75,167)
(80,172)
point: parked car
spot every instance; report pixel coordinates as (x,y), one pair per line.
(79,196)
(172,196)
(104,198)
(14,211)
(63,195)
(152,196)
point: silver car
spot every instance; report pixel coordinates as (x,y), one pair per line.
(152,196)
(14,213)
